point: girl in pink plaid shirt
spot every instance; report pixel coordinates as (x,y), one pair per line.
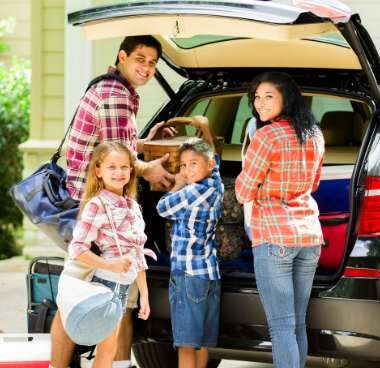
(111,182)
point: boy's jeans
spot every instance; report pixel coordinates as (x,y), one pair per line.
(284,279)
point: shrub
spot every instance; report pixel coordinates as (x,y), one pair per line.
(14,128)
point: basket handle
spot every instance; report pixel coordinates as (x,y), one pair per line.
(178,120)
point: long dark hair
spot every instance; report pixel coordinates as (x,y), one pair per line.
(295,109)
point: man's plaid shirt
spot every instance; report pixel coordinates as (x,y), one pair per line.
(279,175)
(106,113)
(195,210)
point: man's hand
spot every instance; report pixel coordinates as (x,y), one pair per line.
(155,173)
(165,132)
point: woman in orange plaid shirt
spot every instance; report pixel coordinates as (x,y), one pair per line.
(282,167)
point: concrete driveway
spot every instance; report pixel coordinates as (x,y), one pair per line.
(13,304)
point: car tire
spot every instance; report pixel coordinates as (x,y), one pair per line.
(160,355)
(345,363)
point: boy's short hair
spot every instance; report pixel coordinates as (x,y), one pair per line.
(198,145)
(130,43)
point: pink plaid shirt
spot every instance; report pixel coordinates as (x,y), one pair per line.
(106,112)
(94,226)
(279,175)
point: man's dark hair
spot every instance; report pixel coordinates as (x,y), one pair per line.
(130,43)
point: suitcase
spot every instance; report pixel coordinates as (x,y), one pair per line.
(334,227)
(24,350)
(335,179)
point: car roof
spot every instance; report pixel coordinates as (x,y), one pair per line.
(237,33)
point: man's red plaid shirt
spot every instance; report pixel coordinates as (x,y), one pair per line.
(106,113)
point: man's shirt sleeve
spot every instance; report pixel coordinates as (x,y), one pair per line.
(116,121)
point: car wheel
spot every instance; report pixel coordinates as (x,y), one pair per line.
(344,363)
(160,355)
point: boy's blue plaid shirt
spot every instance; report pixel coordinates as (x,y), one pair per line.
(195,211)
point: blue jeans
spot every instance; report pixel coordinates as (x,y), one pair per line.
(284,277)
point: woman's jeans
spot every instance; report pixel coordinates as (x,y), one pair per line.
(284,277)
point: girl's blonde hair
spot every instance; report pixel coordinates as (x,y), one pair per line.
(94,184)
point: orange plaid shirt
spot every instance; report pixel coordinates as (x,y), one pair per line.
(279,175)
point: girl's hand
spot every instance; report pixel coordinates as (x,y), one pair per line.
(122,264)
(144,311)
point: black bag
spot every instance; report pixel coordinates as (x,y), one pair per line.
(43,198)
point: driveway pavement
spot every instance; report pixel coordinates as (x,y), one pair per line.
(13,304)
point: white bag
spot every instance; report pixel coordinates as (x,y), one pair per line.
(250,130)
(89,311)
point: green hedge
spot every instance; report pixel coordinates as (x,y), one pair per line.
(14,129)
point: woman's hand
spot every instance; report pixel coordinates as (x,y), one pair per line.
(144,311)
(122,264)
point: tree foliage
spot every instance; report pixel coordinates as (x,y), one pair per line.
(14,129)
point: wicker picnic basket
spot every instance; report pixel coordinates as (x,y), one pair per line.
(159,147)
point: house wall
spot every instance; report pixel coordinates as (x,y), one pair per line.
(46,126)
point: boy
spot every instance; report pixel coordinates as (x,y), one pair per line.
(194,206)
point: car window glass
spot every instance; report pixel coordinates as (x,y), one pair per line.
(153,88)
(243,114)
(198,109)
(322,104)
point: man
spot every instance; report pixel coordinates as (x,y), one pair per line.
(107,112)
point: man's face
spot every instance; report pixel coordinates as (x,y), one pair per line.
(139,66)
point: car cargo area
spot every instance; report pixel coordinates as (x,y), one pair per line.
(343,122)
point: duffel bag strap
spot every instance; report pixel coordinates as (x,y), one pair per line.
(96,80)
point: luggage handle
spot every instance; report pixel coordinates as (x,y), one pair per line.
(178,120)
(334,218)
(333,221)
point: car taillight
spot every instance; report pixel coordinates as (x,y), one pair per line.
(367,273)
(369,220)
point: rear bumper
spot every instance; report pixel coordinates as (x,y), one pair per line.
(342,328)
